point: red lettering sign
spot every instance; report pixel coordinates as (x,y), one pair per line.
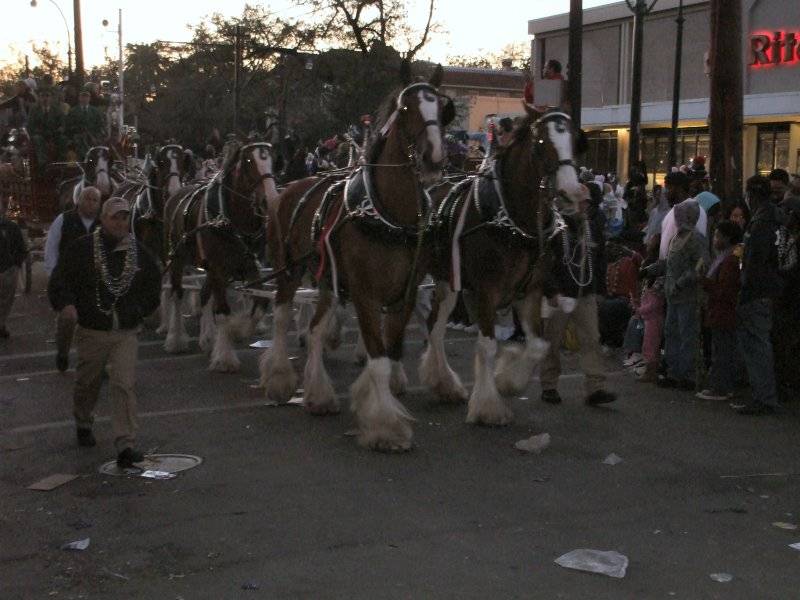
(774,48)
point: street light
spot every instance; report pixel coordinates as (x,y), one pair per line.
(121,74)
(34,4)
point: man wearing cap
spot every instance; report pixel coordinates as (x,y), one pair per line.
(109,283)
(84,124)
(46,128)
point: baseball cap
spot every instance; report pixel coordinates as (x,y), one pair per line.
(114,205)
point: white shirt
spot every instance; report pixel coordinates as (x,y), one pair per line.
(54,241)
(669,229)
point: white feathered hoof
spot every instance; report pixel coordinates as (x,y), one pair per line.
(384,424)
(492,412)
(176,343)
(319,398)
(278,377)
(398,382)
(223,356)
(441,379)
(513,370)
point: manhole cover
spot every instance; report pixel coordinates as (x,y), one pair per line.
(171,463)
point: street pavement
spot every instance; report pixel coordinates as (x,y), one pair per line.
(286,505)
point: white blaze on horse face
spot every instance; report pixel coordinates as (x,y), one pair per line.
(263,161)
(102,180)
(566,177)
(429,109)
(174,178)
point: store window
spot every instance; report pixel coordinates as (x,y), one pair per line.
(690,142)
(772,151)
(601,154)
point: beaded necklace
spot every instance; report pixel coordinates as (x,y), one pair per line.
(116,286)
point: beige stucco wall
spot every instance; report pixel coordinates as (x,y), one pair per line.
(480,106)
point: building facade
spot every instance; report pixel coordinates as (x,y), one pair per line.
(771,82)
(481,92)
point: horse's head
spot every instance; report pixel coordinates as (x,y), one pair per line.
(553,148)
(170,168)
(96,168)
(422,113)
(250,171)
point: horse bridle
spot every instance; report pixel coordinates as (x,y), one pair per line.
(96,173)
(550,116)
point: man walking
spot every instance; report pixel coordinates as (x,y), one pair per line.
(579,279)
(109,283)
(761,284)
(13,250)
(66,228)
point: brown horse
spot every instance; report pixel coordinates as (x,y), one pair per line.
(218,226)
(96,168)
(494,230)
(366,242)
(147,194)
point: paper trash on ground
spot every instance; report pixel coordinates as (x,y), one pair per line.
(153,474)
(77,545)
(604,562)
(262,344)
(782,525)
(721,577)
(51,482)
(612,459)
(534,444)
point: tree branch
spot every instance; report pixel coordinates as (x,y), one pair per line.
(413,51)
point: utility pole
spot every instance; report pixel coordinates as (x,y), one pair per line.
(725,117)
(237,67)
(640,10)
(121,77)
(676,88)
(575,60)
(76,15)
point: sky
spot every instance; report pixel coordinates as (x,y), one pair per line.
(470,27)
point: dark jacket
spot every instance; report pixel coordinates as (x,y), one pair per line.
(72,228)
(48,124)
(563,277)
(680,268)
(13,248)
(760,277)
(75,281)
(722,290)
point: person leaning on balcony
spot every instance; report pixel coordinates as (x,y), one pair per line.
(552,71)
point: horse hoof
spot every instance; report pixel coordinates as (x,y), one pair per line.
(221,366)
(451,394)
(174,346)
(322,409)
(388,439)
(495,416)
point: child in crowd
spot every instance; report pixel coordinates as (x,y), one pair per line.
(722,289)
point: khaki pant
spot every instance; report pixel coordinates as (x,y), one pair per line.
(65,331)
(591,361)
(8,287)
(96,349)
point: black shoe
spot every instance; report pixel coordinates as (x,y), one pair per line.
(86,437)
(551,397)
(755,409)
(600,397)
(127,457)
(4,333)
(62,362)
(666,382)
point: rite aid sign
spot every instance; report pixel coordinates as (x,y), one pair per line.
(776,48)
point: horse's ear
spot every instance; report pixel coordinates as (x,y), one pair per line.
(436,76)
(189,166)
(405,72)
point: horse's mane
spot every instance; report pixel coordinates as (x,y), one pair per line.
(374,144)
(230,157)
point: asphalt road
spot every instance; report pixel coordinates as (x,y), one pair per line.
(289,506)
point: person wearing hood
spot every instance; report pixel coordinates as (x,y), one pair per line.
(686,257)
(677,184)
